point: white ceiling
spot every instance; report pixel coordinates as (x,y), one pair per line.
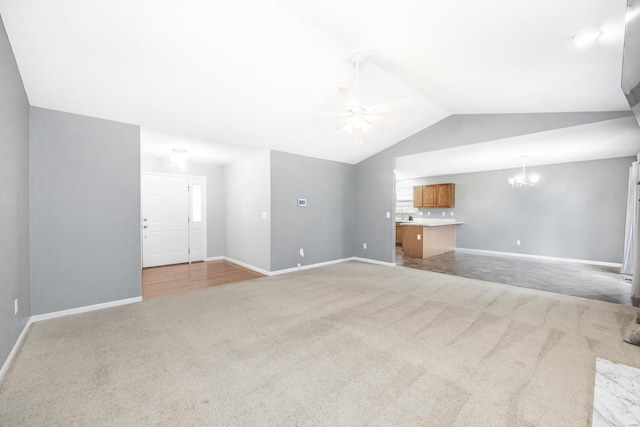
(158,144)
(249,72)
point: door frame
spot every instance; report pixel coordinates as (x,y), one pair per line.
(205,202)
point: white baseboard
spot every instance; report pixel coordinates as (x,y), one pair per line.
(374,261)
(14,350)
(214,258)
(547,258)
(309,267)
(53,315)
(61,313)
(245,265)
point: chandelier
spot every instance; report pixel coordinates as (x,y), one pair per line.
(523,180)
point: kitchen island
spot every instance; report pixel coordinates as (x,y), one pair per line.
(425,238)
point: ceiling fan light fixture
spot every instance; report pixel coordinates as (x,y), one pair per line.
(586,36)
(360,124)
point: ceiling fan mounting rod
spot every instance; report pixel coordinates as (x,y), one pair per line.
(357,79)
(356,58)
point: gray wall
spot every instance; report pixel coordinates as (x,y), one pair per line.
(375,196)
(215,197)
(247,236)
(325,227)
(375,182)
(14,200)
(85,210)
(578,210)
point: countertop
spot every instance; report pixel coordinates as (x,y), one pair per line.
(430,222)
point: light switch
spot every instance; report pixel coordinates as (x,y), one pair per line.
(388,214)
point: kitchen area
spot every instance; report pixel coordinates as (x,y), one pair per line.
(425,222)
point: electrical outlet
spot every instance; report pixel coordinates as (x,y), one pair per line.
(364,246)
(419,237)
(443,213)
(15,306)
(429,213)
(302,253)
(451,213)
(421,213)
(299,265)
(518,242)
(265,215)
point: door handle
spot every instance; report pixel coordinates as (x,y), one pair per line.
(144,219)
(145,226)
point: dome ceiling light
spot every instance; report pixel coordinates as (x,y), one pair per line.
(586,36)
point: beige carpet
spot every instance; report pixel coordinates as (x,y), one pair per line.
(348,344)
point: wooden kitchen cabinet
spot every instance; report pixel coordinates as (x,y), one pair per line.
(434,196)
(417,196)
(446,196)
(398,233)
(429,196)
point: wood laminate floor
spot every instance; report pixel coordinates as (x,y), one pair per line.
(171,279)
(582,280)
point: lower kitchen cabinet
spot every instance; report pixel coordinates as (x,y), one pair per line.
(398,233)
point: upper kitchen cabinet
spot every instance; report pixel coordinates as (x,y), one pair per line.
(429,196)
(446,196)
(434,196)
(417,196)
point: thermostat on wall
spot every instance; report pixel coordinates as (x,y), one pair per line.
(302,202)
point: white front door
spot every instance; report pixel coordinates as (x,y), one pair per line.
(165,220)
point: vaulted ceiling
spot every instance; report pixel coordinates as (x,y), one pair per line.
(252,72)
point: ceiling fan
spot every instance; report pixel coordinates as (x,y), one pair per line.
(358,118)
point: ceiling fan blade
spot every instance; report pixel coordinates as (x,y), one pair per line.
(324,113)
(346,124)
(375,119)
(391,106)
(347,97)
